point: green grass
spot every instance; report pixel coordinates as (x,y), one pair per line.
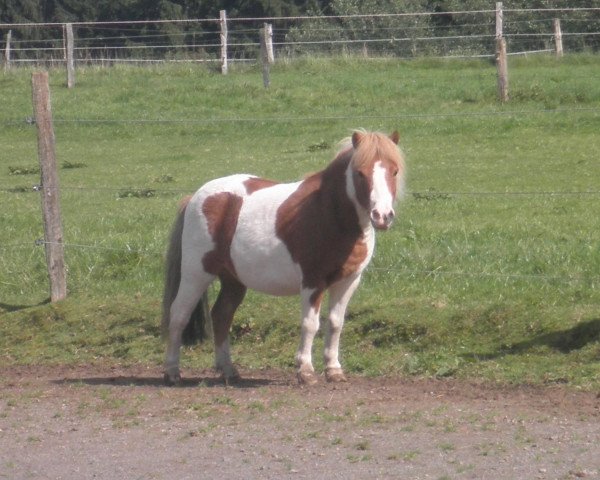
(489,272)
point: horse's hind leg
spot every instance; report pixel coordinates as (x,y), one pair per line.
(191,289)
(231,295)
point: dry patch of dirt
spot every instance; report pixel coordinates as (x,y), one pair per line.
(112,422)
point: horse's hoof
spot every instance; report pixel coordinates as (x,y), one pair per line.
(229,375)
(335,375)
(231,379)
(172,380)
(307,378)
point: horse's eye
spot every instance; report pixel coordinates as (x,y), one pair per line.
(395,173)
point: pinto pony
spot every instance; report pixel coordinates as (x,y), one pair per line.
(302,238)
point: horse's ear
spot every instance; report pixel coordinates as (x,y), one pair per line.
(395,137)
(357,138)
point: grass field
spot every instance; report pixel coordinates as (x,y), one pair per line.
(492,270)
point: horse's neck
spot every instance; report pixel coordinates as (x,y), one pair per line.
(335,198)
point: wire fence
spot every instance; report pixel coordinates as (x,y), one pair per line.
(306,118)
(399,35)
(197,40)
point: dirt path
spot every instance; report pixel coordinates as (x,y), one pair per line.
(108,423)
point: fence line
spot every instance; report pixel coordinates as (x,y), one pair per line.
(301,17)
(195,121)
(246,49)
(331,29)
(285,43)
(418,194)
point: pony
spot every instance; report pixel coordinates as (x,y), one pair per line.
(305,238)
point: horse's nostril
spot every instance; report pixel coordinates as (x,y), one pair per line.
(375,215)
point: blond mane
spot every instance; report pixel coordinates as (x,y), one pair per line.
(372,145)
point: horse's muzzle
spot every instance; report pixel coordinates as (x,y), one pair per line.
(382,221)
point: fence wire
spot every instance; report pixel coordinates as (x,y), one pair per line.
(471,34)
(304,118)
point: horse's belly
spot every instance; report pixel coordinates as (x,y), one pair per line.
(268,270)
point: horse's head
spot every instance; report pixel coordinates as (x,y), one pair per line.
(377,174)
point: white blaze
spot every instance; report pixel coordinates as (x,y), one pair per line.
(381,197)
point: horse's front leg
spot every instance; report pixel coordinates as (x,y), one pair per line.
(339,296)
(311,306)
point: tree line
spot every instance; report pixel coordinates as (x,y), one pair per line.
(311,30)
(63,11)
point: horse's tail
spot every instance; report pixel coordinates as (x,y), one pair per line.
(195,331)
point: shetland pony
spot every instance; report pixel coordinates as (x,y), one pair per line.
(305,238)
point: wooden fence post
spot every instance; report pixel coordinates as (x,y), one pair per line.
(269,40)
(7,51)
(499,20)
(69,47)
(223,24)
(49,187)
(264,56)
(501,59)
(558,46)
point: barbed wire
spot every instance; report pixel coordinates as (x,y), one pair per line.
(238,31)
(133,23)
(417,194)
(337,117)
(297,43)
(308,118)
(242,19)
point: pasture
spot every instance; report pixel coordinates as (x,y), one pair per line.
(490,272)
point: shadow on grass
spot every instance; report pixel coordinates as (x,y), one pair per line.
(5,307)
(564,341)
(191,382)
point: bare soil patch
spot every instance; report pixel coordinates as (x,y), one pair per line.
(120,422)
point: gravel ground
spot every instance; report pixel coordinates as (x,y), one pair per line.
(100,422)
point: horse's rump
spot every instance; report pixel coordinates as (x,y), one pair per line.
(195,330)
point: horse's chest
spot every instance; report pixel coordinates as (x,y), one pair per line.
(270,260)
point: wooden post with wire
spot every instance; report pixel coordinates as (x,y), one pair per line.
(269,42)
(558,46)
(69,47)
(264,56)
(501,57)
(223,25)
(53,241)
(7,51)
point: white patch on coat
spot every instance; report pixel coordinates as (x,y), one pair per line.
(196,238)
(261,260)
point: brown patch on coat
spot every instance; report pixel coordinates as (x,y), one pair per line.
(221,211)
(255,183)
(230,297)
(319,225)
